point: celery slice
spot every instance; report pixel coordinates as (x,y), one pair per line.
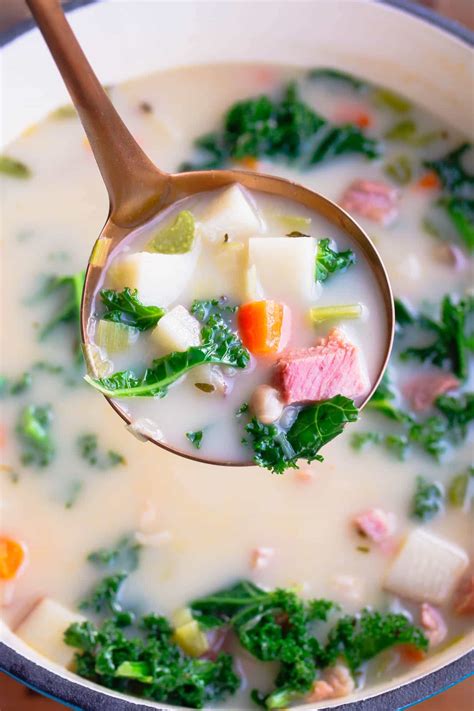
(176,238)
(294,223)
(115,337)
(319,314)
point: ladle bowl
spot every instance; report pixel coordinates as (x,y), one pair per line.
(138,191)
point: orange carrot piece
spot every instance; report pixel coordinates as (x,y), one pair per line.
(249,163)
(353,113)
(429,181)
(411,654)
(12,558)
(264,326)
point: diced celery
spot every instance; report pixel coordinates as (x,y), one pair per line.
(176,238)
(115,337)
(294,223)
(319,314)
(461,489)
(399,170)
(181,617)
(191,639)
(385,97)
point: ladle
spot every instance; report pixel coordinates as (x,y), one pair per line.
(138,190)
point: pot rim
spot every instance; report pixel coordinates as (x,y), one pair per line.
(71,693)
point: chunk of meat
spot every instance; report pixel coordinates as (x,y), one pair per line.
(422,391)
(376,524)
(335,683)
(464,597)
(433,624)
(332,367)
(374,200)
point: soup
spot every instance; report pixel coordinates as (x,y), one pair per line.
(254,581)
(222,306)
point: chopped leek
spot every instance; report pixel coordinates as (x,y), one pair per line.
(399,170)
(115,337)
(14,168)
(319,314)
(395,102)
(176,238)
(294,223)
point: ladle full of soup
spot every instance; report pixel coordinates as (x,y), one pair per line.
(226,314)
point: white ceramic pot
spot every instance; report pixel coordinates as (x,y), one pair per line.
(407,49)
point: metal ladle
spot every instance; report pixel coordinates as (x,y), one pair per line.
(138,190)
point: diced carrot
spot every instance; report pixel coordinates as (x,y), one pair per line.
(429,181)
(12,557)
(249,163)
(353,113)
(411,654)
(264,326)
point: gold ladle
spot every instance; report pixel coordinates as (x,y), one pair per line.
(138,190)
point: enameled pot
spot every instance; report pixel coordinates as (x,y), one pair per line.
(402,46)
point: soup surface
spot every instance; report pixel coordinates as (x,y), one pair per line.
(384,522)
(233,318)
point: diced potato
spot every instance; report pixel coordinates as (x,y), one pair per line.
(284,267)
(231,212)
(427,568)
(115,337)
(159,278)
(44,627)
(253,288)
(177,330)
(191,639)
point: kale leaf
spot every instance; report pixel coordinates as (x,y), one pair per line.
(220,346)
(315,426)
(195,438)
(69,289)
(338,76)
(203,309)
(125,554)
(89,450)
(459,411)
(34,431)
(458,188)
(329,260)
(285,129)
(125,307)
(428,499)
(104,597)
(449,348)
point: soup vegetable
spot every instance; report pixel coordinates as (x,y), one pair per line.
(177,581)
(223,328)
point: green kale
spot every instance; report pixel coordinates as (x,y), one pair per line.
(360,440)
(338,76)
(458,191)
(125,554)
(125,307)
(195,438)
(329,260)
(15,386)
(285,129)
(203,309)
(383,400)
(360,638)
(14,168)
(315,426)
(404,316)
(459,411)
(428,500)
(34,431)
(104,597)
(220,346)
(69,290)
(89,450)
(148,663)
(449,347)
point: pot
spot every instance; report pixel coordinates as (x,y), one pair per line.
(402,46)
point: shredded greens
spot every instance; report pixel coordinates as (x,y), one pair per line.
(34,432)
(88,447)
(329,261)
(427,500)
(126,308)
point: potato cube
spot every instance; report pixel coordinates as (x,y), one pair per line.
(177,331)
(44,627)
(191,639)
(159,278)
(284,267)
(427,568)
(231,212)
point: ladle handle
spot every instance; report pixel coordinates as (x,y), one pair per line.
(134,184)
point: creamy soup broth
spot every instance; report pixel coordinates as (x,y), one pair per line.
(210,518)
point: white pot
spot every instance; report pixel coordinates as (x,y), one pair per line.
(394,44)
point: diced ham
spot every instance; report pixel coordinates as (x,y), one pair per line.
(376,524)
(332,367)
(260,557)
(433,624)
(374,200)
(304,475)
(422,390)
(464,597)
(335,683)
